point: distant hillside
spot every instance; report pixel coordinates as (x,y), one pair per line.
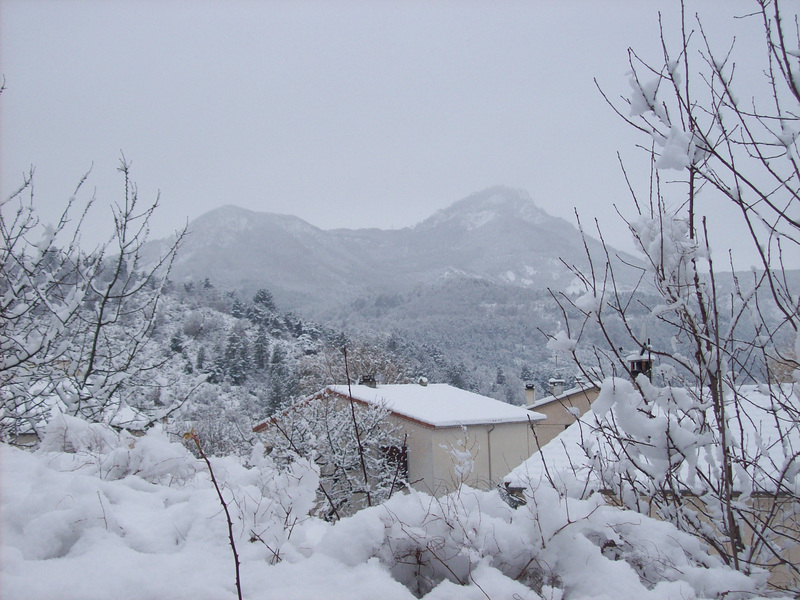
(498,235)
(468,285)
(467,288)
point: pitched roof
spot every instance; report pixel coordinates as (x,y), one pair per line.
(438,404)
(580,388)
(562,458)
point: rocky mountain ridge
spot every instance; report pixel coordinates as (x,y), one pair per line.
(498,235)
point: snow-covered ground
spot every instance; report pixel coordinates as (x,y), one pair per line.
(97,514)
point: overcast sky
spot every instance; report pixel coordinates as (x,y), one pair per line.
(346,114)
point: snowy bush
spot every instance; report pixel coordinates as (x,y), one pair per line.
(96,514)
(554,546)
(695,444)
(349,441)
(76,325)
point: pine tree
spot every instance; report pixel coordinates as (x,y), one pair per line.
(176,342)
(237,358)
(261,349)
(238,309)
(264,298)
(280,388)
(262,309)
(200,361)
(455,376)
(278,356)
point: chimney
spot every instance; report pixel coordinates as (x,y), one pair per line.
(368,380)
(530,394)
(641,362)
(423,381)
(556,386)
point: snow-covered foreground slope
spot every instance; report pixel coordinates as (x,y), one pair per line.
(96,514)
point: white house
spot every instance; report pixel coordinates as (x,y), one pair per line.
(453,435)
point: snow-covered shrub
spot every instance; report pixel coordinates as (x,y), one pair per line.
(76,325)
(272,500)
(554,545)
(116,515)
(269,500)
(350,444)
(694,445)
(98,449)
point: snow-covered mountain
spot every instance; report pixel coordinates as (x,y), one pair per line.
(498,235)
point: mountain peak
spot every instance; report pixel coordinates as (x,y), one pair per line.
(497,235)
(232,219)
(497,203)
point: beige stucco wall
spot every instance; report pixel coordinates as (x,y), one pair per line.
(558,417)
(495,450)
(781,514)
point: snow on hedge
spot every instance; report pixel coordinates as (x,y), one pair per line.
(97,514)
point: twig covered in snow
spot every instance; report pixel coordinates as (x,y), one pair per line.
(193,437)
(684,437)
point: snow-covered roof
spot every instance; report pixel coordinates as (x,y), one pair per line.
(563,456)
(584,387)
(439,404)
